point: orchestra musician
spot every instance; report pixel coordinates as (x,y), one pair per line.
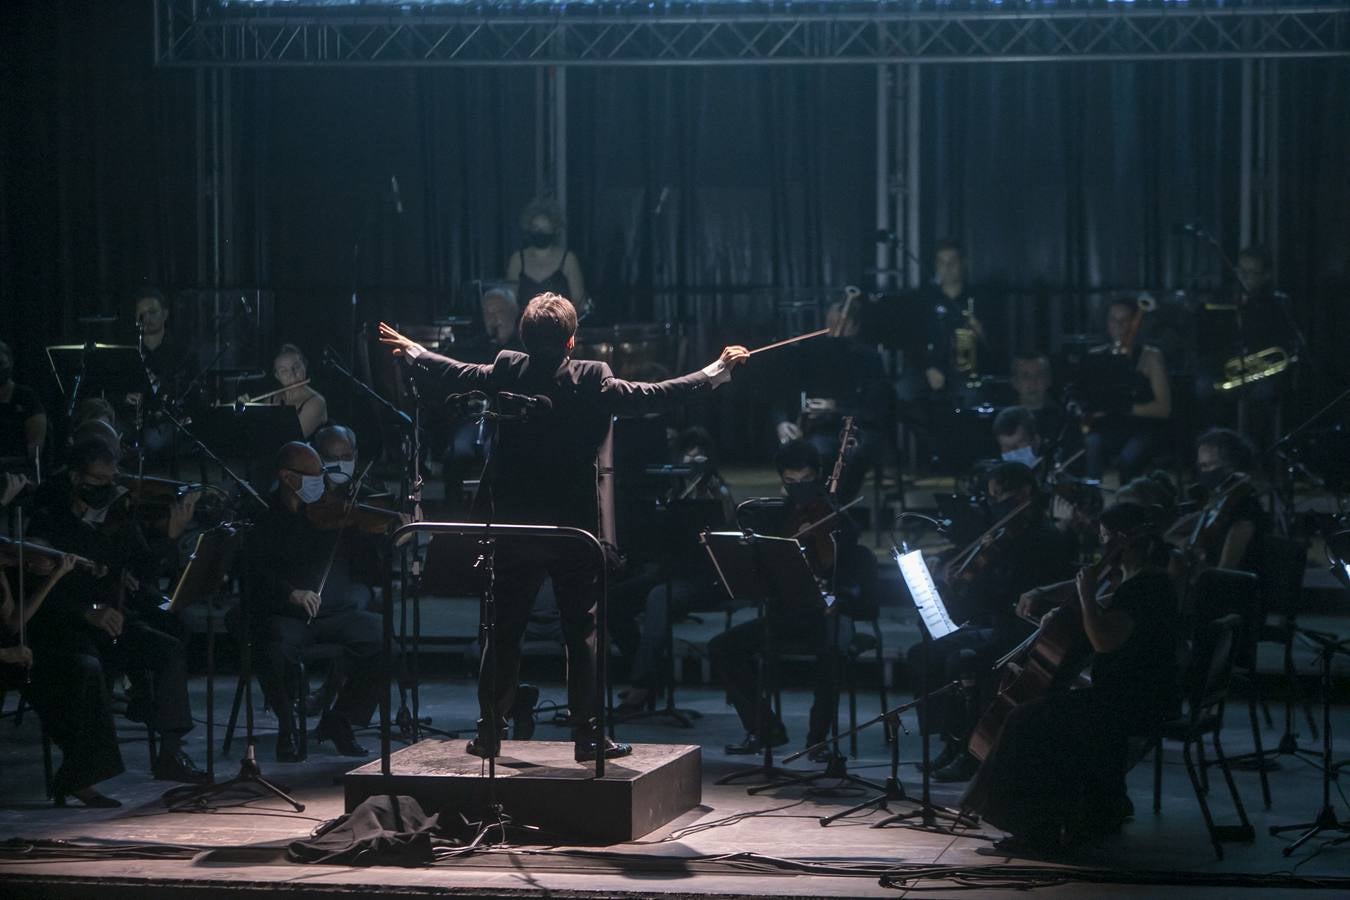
(291,369)
(544,471)
(832,377)
(23,420)
(300,594)
(545,264)
(1030,552)
(13,619)
(1033,383)
(1236,540)
(1056,772)
(95,621)
(170,364)
(945,307)
(1128,433)
(1019,437)
(847,569)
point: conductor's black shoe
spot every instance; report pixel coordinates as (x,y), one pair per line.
(584,750)
(287,751)
(488,743)
(963,768)
(335,728)
(778,736)
(951,751)
(522,712)
(175,765)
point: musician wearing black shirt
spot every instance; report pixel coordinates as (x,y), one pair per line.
(849,575)
(1131,430)
(301,594)
(1057,770)
(23,421)
(544,471)
(1220,455)
(92,622)
(830,378)
(1029,553)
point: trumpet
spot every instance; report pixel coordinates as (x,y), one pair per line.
(1242,370)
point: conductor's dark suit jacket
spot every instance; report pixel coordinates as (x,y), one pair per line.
(543,470)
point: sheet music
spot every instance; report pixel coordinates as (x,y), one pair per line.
(926,598)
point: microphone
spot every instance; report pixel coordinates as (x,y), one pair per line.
(395,195)
(529,401)
(942,524)
(248,307)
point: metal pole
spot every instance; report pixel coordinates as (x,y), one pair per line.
(1245,163)
(911,186)
(883,177)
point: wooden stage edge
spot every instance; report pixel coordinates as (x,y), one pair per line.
(540,784)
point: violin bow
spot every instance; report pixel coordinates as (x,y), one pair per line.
(348,505)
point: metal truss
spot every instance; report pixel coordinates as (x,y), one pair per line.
(201,33)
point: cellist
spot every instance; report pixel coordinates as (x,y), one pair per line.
(1057,769)
(980,586)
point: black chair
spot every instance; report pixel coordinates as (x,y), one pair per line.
(17,715)
(1208,679)
(1217,593)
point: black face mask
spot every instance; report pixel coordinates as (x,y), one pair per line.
(96,496)
(1211,480)
(540,239)
(803,492)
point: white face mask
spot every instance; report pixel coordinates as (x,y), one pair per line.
(311,488)
(1024,455)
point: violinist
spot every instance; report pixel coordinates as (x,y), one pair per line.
(13,619)
(1128,432)
(1018,437)
(1234,539)
(843,565)
(88,625)
(363,525)
(300,593)
(1026,552)
(1057,769)
(291,370)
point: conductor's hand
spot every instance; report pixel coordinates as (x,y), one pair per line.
(306,600)
(402,346)
(733,356)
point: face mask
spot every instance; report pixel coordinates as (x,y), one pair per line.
(311,488)
(346,468)
(97,496)
(1024,455)
(802,492)
(539,239)
(1211,480)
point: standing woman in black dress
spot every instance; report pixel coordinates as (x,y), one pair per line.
(545,264)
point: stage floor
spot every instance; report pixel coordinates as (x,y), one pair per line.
(687,858)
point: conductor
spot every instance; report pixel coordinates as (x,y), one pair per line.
(544,472)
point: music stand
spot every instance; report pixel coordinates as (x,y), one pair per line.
(773,572)
(92,368)
(207,567)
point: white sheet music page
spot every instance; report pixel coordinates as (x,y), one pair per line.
(921,587)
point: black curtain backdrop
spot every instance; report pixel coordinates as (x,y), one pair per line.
(711,194)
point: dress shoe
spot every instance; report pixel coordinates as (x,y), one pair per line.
(488,743)
(87,796)
(175,765)
(287,750)
(585,749)
(333,727)
(963,768)
(522,712)
(951,751)
(778,736)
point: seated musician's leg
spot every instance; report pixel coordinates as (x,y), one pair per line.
(734,654)
(281,643)
(163,655)
(363,675)
(70,693)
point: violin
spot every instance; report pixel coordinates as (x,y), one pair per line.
(962,570)
(40,558)
(1214,520)
(808,523)
(332,512)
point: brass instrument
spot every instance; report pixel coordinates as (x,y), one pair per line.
(1242,370)
(965,344)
